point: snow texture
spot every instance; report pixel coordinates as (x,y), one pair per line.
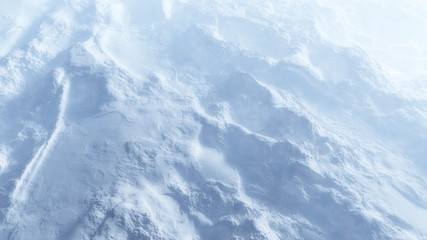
(210,119)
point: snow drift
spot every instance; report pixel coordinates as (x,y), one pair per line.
(191,119)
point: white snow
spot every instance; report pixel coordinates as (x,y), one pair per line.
(4,162)
(210,119)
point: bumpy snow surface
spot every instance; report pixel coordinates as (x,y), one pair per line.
(213,119)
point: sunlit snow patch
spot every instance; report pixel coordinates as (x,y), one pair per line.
(213,166)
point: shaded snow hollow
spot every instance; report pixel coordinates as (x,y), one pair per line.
(209,119)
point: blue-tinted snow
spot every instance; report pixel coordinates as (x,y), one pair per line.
(182,119)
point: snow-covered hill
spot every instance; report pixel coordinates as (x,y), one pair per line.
(210,119)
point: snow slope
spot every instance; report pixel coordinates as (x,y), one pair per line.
(185,119)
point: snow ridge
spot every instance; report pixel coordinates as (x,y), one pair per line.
(25,183)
